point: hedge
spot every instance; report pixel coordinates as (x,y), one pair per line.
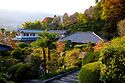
(90,57)
(12,70)
(113,65)
(90,73)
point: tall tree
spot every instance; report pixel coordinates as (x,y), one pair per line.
(56,22)
(74,18)
(82,18)
(121,27)
(42,44)
(37,24)
(50,38)
(113,10)
(45,41)
(32,25)
(27,25)
(65,20)
(47,22)
(9,40)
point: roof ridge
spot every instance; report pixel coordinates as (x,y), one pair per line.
(97,36)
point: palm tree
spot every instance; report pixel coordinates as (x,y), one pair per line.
(44,41)
(42,44)
(50,38)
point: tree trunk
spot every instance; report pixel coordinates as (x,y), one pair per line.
(49,53)
(44,56)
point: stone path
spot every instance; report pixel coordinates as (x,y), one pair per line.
(70,78)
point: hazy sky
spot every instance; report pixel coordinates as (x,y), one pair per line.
(47,6)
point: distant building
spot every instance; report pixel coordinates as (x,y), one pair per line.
(5,47)
(83,37)
(62,33)
(27,35)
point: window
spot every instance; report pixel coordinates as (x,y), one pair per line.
(24,34)
(32,34)
(27,34)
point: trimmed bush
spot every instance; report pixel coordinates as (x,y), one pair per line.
(21,71)
(17,54)
(12,70)
(90,57)
(113,65)
(26,72)
(90,73)
(22,45)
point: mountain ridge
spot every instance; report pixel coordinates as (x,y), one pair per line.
(16,18)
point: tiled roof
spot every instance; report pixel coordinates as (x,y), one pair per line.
(57,31)
(83,37)
(4,47)
(29,31)
(26,39)
(38,31)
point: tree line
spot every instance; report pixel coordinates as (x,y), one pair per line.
(101,18)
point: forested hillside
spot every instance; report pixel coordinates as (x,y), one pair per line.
(101,18)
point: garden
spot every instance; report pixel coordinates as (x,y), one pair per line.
(42,59)
(108,64)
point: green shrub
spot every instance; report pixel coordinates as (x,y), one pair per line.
(3,80)
(26,51)
(85,47)
(3,75)
(17,53)
(22,45)
(4,53)
(34,60)
(116,42)
(90,73)
(72,57)
(10,61)
(90,57)
(12,70)
(21,71)
(113,64)
(6,62)
(2,64)
(26,71)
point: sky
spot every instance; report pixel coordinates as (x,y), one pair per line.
(58,7)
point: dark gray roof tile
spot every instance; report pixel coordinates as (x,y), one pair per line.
(83,37)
